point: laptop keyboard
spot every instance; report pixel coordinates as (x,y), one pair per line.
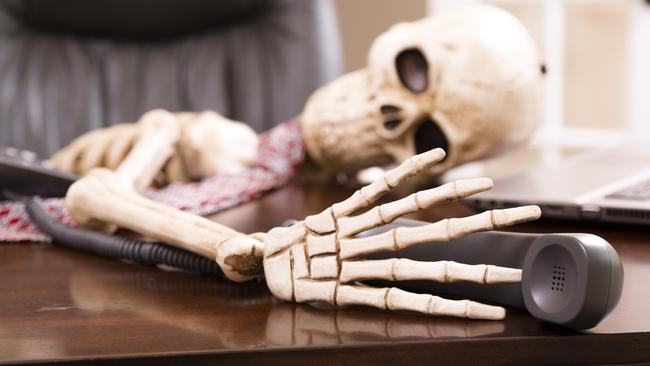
(637,192)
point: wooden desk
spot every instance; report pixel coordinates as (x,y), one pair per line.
(59,305)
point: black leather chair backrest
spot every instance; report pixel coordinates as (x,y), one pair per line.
(69,66)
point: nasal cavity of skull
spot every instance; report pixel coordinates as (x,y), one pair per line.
(391,115)
(429,136)
(413,70)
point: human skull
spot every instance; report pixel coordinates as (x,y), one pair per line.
(467,81)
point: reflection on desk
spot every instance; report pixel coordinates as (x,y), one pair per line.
(65,306)
(287,324)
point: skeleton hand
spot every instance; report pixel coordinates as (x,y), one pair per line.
(106,147)
(208,144)
(319,259)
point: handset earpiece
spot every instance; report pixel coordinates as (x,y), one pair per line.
(571,279)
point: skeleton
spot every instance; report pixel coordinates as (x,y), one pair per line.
(316,259)
(467,82)
(207,144)
(319,259)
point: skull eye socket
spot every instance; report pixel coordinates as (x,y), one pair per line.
(413,70)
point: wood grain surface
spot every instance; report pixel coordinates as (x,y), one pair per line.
(72,308)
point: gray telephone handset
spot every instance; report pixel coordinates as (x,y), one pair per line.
(573,280)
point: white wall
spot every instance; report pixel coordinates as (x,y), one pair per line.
(598,58)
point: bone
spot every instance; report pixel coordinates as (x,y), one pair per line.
(212,144)
(158,132)
(388,212)
(440,271)
(175,169)
(106,196)
(258,236)
(104,147)
(206,144)
(281,238)
(321,244)
(277,270)
(392,178)
(352,248)
(66,159)
(93,155)
(301,268)
(125,136)
(361,198)
(310,290)
(484,99)
(240,257)
(321,223)
(413,166)
(324,267)
(445,230)
(454,228)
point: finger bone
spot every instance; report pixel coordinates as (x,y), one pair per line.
(388,212)
(392,178)
(441,231)
(441,271)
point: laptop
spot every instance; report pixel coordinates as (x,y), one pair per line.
(608,185)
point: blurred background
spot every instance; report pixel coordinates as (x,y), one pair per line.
(597,54)
(69,66)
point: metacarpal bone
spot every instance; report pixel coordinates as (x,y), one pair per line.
(281,238)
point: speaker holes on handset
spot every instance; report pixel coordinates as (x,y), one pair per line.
(559,276)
